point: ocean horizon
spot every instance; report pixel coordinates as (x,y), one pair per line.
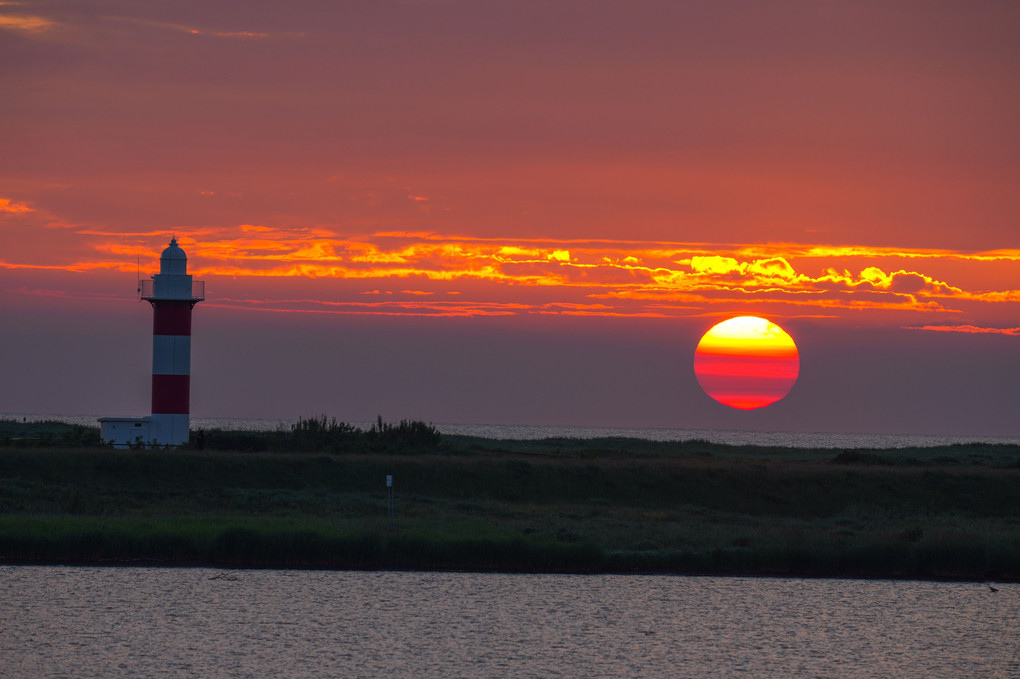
(795,439)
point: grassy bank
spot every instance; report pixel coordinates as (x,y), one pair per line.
(559,505)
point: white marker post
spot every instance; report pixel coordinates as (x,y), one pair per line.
(389,492)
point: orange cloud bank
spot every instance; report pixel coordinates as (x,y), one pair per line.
(435,274)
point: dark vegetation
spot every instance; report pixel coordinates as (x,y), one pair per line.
(46,434)
(315,496)
(322,435)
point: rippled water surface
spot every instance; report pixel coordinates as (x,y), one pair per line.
(148,622)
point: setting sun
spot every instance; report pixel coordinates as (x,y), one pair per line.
(746,362)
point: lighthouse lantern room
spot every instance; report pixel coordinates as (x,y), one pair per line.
(172,294)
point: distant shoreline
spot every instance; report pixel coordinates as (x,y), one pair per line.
(833,440)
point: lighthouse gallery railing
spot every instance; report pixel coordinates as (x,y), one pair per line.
(193,290)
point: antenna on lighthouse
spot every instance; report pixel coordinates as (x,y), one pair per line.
(138,275)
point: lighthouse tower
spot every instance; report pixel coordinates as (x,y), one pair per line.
(173,294)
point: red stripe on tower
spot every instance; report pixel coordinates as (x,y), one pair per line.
(171,394)
(171,317)
(173,295)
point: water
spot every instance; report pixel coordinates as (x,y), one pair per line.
(503,431)
(148,622)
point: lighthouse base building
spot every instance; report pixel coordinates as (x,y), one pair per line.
(124,432)
(172,294)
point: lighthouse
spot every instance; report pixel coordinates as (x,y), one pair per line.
(172,294)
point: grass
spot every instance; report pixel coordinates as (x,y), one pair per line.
(46,433)
(559,505)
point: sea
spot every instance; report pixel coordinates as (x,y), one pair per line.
(795,439)
(86,622)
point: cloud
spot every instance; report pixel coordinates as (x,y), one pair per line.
(8,205)
(801,251)
(386,308)
(566,276)
(67,294)
(205,32)
(774,268)
(638,276)
(968,329)
(712,265)
(25,23)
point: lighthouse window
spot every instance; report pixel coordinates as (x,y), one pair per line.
(138,424)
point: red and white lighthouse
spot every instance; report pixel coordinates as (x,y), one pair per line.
(173,294)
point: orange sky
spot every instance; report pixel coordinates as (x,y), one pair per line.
(557,168)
